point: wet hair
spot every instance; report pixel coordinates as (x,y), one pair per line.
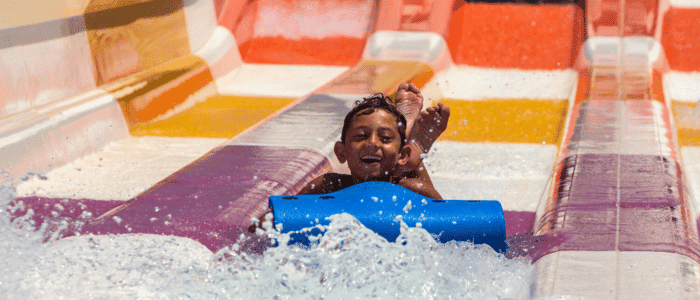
(368,106)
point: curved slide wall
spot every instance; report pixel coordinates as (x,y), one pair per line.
(171,91)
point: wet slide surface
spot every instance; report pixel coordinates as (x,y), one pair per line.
(195,146)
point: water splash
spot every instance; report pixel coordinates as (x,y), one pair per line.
(349,261)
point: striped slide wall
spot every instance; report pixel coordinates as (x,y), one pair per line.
(618,201)
(277,157)
(173,201)
(132,92)
(146,95)
(383,86)
(99,64)
(680,21)
(369,76)
(358,77)
(146,98)
(619,221)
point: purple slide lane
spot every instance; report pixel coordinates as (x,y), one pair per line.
(618,185)
(211,200)
(611,202)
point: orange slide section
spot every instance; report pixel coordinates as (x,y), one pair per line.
(681,29)
(516,35)
(325,32)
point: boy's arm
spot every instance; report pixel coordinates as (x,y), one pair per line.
(419,186)
(313,187)
(421,173)
(414,168)
(326,183)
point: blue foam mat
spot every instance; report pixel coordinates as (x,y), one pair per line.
(377,204)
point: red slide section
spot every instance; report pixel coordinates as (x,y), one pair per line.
(324,32)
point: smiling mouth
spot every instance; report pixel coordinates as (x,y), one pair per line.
(370,159)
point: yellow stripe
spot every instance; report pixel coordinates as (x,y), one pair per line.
(687,133)
(506,121)
(220,116)
(148,94)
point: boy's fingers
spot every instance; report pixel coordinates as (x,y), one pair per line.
(444,110)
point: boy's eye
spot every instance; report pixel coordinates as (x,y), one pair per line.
(360,136)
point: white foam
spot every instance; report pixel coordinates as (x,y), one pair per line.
(513,174)
(472,83)
(121,170)
(691,167)
(276,80)
(682,86)
(685,3)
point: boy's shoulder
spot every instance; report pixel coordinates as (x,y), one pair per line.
(330,176)
(327,183)
(331,182)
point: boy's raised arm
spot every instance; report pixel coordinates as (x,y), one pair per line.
(421,187)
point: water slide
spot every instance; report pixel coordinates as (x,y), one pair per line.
(140,118)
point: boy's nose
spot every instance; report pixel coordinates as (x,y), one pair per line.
(374,140)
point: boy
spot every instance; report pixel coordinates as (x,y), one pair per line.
(374,144)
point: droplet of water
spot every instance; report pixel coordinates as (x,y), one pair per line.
(407,207)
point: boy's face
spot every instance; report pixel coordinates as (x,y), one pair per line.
(372,145)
